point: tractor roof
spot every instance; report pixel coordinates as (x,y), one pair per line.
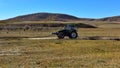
(71,25)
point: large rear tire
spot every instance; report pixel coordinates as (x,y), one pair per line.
(73,35)
(61,35)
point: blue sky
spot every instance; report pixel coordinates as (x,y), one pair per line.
(79,8)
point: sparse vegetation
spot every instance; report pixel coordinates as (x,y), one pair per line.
(83,32)
(16,51)
(59,53)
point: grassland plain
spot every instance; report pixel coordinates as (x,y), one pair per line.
(67,53)
(16,51)
(47,32)
(24,53)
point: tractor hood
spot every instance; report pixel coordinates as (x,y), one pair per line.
(59,31)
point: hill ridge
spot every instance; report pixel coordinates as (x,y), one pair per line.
(44,16)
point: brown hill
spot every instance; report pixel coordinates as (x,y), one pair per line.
(47,17)
(114,18)
(58,17)
(44,17)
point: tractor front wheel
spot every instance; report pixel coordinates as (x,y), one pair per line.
(73,35)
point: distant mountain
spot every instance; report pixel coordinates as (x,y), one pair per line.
(114,18)
(46,17)
(58,17)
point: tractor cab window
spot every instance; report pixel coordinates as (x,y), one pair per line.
(70,27)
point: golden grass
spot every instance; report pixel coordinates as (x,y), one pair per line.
(60,53)
(47,32)
(66,53)
(99,32)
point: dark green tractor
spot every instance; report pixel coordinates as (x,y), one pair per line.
(70,31)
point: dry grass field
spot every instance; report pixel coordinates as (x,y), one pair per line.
(24,53)
(47,32)
(16,51)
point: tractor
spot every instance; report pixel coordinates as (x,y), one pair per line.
(70,31)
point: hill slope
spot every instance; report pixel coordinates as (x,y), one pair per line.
(114,18)
(47,17)
(58,17)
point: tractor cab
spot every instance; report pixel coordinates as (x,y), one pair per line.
(71,27)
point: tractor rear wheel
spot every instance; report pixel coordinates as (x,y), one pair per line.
(61,35)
